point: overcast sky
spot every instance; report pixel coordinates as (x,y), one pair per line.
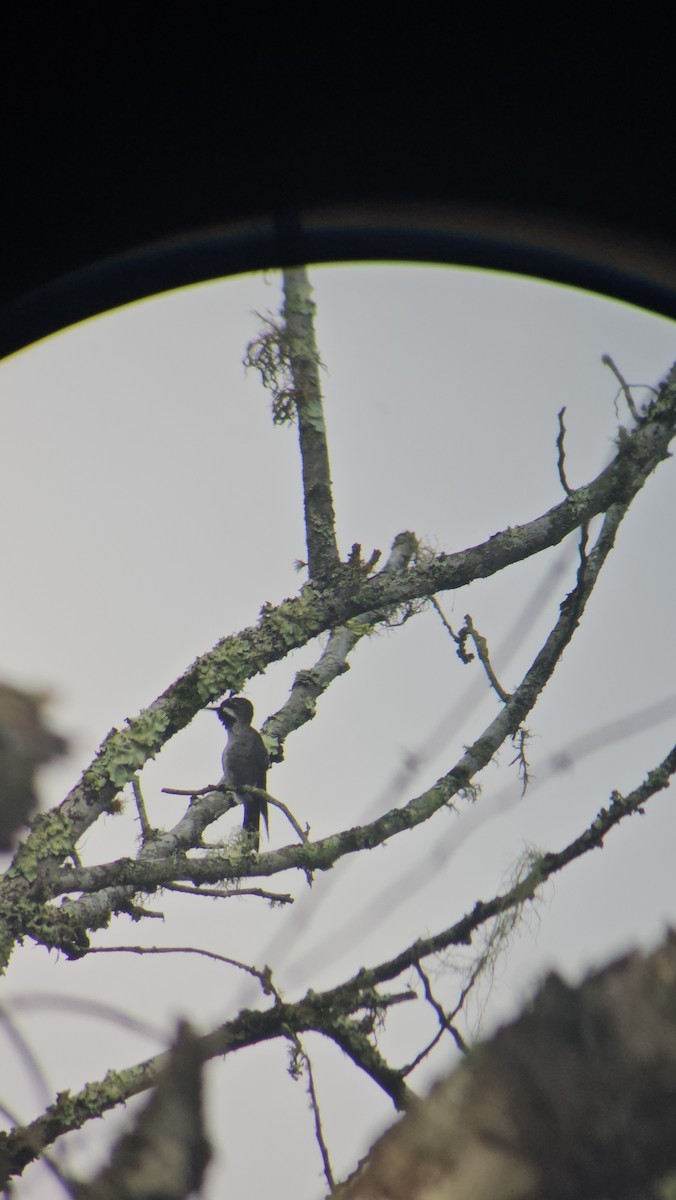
(152,508)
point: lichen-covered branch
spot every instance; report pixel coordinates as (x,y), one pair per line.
(283,628)
(154,870)
(364,1054)
(324,1012)
(316,1011)
(286,357)
(524,889)
(323,854)
(311,683)
(303,356)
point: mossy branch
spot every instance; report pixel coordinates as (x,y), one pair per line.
(153,871)
(285,627)
(320,521)
(324,1012)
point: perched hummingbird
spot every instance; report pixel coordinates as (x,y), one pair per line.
(245,761)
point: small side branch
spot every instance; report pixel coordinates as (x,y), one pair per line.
(624,386)
(562,453)
(519,741)
(319,1133)
(231,893)
(445,1023)
(311,683)
(263,976)
(360,1049)
(484,657)
(146,828)
(460,639)
(301,1063)
(196,792)
(261,794)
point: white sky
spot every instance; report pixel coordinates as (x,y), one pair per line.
(151,508)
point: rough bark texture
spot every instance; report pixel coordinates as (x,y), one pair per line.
(576,1099)
(323,558)
(165,1155)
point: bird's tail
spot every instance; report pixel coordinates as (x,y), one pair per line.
(253,811)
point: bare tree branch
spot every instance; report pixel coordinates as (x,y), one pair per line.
(291,624)
(320,522)
(262,976)
(303,1064)
(562,453)
(477,756)
(347,1035)
(311,683)
(624,387)
(146,828)
(231,893)
(54,898)
(324,1012)
(445,1022)
(484,658)
(151,870)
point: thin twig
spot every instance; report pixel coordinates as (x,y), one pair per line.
(302,1054)
(223,894)
(261,794)
(444,1020)
(460,641)
(319,1134)
(203,791)
(521,737)
(262,976)
(482,651)
(624,386)
(445,1026)
(146,828)
(248,790)
(562,453)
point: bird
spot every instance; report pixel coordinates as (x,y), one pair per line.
(245,761)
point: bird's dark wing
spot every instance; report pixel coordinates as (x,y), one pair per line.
(262,762)
(247,763)
(247,759)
